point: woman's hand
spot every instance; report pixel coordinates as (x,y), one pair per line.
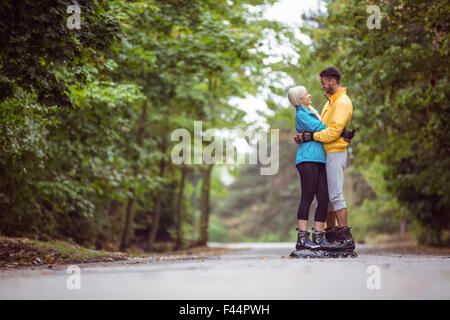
(298,138)
(303,137)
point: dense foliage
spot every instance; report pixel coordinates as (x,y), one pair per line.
(86,114)
(397,78)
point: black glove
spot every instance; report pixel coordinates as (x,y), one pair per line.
(348,134)
(307,136)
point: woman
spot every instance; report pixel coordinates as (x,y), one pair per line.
(310,163)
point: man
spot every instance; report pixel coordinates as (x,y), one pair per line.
(336,115)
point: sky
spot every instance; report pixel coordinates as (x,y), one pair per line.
(289,12)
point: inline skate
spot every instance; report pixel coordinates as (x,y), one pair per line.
(306,249)
(346,244)
(331,234)
(319,238)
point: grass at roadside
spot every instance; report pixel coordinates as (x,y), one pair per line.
(27,252)
(403,244)
(22,252)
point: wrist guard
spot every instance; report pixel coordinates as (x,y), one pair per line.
(348,134)
(307,136)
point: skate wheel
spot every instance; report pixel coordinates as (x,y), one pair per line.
(353,254)
(326,255)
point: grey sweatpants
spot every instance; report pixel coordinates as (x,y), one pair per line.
(336,163)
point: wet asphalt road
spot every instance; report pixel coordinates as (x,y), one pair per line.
(261,271)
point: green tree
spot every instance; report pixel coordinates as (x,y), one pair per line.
(35,43)
(42,160)
(399,89)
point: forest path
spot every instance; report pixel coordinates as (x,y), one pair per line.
(258,271)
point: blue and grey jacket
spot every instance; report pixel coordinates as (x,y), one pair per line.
(311,151)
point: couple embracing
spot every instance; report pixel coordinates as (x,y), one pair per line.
(321,160)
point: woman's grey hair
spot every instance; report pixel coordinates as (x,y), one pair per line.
(296,94)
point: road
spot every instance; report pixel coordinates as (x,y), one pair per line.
(261,271)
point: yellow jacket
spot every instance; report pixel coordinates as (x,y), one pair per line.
(336,115)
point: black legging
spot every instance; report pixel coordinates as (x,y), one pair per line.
(313,179)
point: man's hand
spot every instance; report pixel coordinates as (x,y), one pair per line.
(348,135)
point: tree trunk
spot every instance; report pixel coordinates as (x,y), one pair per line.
(179,209)
(158,208)
(129,212)
(403,227)
(195,179)
(114,206)
(128,222)
(154,226)
(206,185)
